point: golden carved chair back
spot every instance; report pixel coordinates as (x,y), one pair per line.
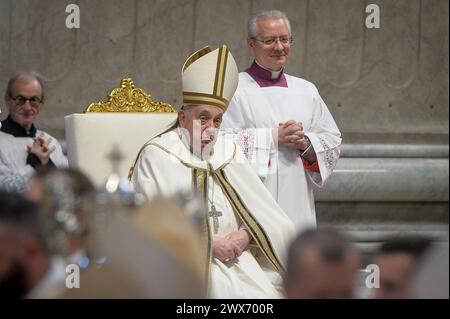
(107,137)
(129,99)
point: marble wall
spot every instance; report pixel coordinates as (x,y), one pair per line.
(387,88)
(392,80)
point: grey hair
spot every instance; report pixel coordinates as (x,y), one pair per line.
(187,107)
(270,14)
(35,75)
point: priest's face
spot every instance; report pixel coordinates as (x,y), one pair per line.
(272,43)
(202,123)
(26,101)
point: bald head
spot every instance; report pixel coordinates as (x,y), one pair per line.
(321,264)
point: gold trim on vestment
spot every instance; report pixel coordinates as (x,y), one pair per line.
(250,222)
(200,186)
(131,171)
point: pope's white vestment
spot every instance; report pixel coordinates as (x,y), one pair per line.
(224,179)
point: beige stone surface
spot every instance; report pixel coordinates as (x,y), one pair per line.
(388,80)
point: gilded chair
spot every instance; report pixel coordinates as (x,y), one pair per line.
(107,137)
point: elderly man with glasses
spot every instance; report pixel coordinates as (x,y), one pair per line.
(23,148)
(281,122)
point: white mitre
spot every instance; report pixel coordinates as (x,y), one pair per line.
(209,77)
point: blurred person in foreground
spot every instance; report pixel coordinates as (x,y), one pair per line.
(145,246)
(322,264)
(66,198)
(27,268)
(153,250)
(397,259)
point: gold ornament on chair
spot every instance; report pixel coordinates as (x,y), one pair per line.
(129,99)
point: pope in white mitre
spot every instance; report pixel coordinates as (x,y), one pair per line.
(246,233)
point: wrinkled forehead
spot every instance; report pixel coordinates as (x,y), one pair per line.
(27,85)
(203,109)
(271,26)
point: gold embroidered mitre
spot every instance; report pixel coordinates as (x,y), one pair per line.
(209,77)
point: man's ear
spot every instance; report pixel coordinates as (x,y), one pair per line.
(182,118)
(250,43)
(8,101)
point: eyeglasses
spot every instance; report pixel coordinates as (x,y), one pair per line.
(20,100)
(271,41)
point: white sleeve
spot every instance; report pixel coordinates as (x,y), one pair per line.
(326,139)
(256,143)
(58,157)
(14,180)
(143,178)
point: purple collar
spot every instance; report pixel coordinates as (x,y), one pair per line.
(264,77)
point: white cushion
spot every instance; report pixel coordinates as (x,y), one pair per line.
(91,138)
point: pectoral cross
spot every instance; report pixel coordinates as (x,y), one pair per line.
(215,214)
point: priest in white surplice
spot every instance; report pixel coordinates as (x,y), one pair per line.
(246,232)
(281,122)
(23,148)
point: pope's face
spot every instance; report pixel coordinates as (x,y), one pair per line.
(271,56)
(202,122)
(24,115)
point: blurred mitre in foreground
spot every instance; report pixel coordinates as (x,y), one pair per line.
(153,252)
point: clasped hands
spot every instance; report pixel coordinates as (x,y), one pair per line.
(291,135)
(41,148)
(231,246)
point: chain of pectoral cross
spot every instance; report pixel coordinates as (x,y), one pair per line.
(214,213)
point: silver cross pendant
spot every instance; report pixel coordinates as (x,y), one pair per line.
(215,214)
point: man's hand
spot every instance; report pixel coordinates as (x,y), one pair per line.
(240,238)
(291,135)
(41,148)
(224,249)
